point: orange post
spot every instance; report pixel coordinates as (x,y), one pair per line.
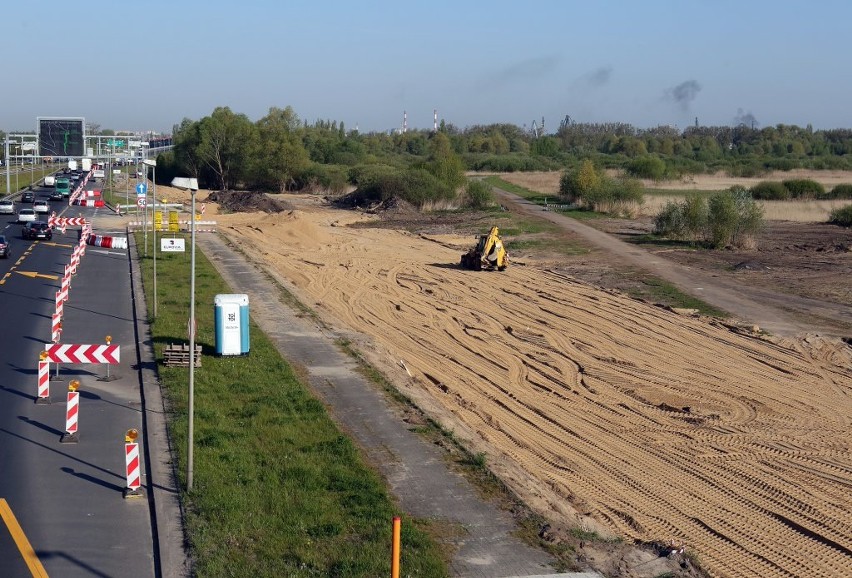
(395,549)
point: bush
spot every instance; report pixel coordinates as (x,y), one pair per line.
(842,191)
(478,195)
(770,191)
(647,167)
(670,221)
(841,216)
(362,174)
(416,186)
(804,189)
(733,218)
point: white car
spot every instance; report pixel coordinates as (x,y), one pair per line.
(41,206)
(25,215)
(7,207)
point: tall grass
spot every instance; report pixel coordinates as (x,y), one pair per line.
(279,490)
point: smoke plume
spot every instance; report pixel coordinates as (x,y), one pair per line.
(684,93)
(745,118)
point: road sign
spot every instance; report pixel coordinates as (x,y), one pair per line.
(141,202)
(141,189)
(59,353)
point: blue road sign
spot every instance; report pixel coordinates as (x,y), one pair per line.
(141,189)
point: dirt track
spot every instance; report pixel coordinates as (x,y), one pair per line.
(599,410)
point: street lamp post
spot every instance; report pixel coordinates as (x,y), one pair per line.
(191,185)
(153,163)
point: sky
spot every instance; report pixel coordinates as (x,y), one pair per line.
(145,66)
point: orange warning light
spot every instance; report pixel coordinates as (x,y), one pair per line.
(131,436)
(73,385)
(108,339)
(42,356)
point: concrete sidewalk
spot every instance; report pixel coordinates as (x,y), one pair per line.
(416,471)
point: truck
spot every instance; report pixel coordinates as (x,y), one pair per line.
(63,187)
(86,165)
(72,165)
(49,181)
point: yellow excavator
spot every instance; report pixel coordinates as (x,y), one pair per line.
(489,253)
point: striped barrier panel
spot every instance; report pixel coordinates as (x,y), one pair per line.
(43,382)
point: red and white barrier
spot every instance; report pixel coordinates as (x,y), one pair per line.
(107,242)
(76,353)
(131,460)
(43,382)
(72,409)
(56,327)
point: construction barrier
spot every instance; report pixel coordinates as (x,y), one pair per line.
(89,203)
(71,414)
(56,327)
(43,382)
(107,242)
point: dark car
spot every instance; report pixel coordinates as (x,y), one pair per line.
(27,197)
(4,247)
(37,230)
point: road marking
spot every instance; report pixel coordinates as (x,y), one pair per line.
(24,547)
(52,244)
(33,275)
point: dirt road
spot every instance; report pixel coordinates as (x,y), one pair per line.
(600,411)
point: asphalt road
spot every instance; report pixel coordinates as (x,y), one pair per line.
(69,497)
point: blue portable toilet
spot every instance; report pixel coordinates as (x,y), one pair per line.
(232,323)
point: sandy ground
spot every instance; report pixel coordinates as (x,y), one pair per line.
(600,411)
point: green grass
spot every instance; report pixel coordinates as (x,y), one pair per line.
(656,290)
(533,196)
(278,489)
(24,179)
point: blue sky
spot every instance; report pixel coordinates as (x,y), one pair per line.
(147,65)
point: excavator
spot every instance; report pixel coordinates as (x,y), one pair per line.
(489,253)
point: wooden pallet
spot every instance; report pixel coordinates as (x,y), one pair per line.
(177,355)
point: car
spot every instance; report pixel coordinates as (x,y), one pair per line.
(37,230)
(55,195)
(4,247)
(41,206)
(26,216)
(27,197)
(7,207)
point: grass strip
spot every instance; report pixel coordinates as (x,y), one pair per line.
(278,489)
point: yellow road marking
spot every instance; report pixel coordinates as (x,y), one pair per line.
(27,552)
(52,244)
(33,275)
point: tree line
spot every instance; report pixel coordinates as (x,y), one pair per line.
(282,152)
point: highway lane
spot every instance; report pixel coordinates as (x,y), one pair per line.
(68,498)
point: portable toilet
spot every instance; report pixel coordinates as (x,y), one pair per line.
(232,323)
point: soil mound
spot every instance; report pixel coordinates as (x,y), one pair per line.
(368,201)
(248,202)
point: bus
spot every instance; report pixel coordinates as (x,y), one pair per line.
(63,187)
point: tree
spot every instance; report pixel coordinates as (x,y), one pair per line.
(444,163)
(186,138)
(280,154)
(227,139)
(580,184)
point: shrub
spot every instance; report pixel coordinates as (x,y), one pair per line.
(478,195)
(647,167)
(804,189)
(363,174)
(670,221)
(842,191)
(770,191)
(416,186)
(841,216)
(733,218)
(694,217)
(581,184)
